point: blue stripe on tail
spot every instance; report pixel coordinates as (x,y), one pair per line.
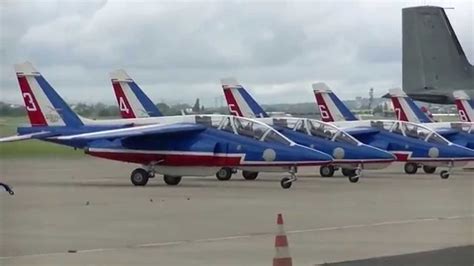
(419,114)
(67,114)
(254,106)
(348,115)
(150,108)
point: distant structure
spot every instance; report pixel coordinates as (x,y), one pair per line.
(371,97)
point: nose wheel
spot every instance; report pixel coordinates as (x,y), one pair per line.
(445,173)
(287,181)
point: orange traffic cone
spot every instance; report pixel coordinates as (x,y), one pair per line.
(282,254)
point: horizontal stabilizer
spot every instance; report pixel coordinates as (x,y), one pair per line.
(230,83)
(147,130)
(397,92)
(36,135)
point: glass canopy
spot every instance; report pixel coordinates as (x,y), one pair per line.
(411,130)
(244,127)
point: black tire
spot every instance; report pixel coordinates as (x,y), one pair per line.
(284,183)
(348,172)
(224,174)
(353,178)
(444,174)
(326,171)
(429,169)
(411,168)
(172,180)
(139,177)
(248,175)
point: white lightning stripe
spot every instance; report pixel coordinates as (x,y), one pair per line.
(135,104)
(47,109)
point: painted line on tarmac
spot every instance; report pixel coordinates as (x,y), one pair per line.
(234,237)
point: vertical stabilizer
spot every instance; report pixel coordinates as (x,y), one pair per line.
(43,104)
(132,101)
(406,109)
(332,109)
(465,106)
(434,63)
(239,101)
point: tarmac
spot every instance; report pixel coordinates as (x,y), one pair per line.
(86,212)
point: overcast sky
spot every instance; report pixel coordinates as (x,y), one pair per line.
(179,51)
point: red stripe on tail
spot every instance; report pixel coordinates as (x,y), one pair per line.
(125,108)
(323,108)
(32,107)
(463,116)
(399,112)
(234,108)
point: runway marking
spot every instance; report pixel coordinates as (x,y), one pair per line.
(234,237)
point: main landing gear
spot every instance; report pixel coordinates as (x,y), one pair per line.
(286,181)
(224,174)
(140,176)
(249,175)
(327,170)
(411,168)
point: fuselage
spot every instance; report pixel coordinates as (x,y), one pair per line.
(225,141)
(409,142)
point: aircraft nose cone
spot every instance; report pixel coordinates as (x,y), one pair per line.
(383,155)
(306,154)
(463,153)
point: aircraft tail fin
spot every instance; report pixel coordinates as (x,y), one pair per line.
(44,105)
(332,109)
(406,109)
(132,101)
(465,106)
(433,59)
(239,101)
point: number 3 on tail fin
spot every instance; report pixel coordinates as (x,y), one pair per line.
(122,106)
(29,103)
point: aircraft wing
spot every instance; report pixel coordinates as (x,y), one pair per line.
(36,135)
(146,130)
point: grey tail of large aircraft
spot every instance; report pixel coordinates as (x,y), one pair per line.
(434,63)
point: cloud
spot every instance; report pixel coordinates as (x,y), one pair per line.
(178,51)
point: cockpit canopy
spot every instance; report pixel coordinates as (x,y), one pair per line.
(244,127)
(313,128)
(411,130)
(466,127)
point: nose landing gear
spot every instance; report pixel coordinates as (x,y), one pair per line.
(7,188)
(445,173)
(287,181)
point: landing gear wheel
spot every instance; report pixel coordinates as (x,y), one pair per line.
(286,182)
(224,174)
(248,175)
(353,178)
(326,171)
(429,169)
(444,174)
(172,180)
(348,172)
(139,177)
(411,168)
